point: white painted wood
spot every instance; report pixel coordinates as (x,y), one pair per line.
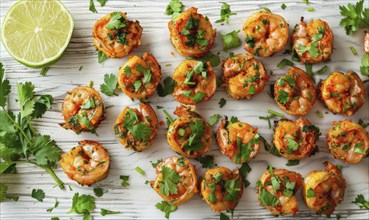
(137,201)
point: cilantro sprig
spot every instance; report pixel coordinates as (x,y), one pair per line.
(355,17)
(361,202)
(225,13)
(166,208)
(231,40)
(110,85)
(168,186)
(174,8)
(19,140)
(83,204)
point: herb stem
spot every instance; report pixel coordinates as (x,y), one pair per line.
(18,127)
(274,113)
(168,116)
(353,51)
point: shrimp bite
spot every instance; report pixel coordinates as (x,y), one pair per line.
(342,94)
(243,76)
(136,128)
(295,92)
(348,141)
(313,42)
(266,33)
(222,188)
(87,163)
(323,190)
(296,140)
(276,191)
(176,182)
(82,109)
(139,76)
(116,36)
(366,43)
(191,33)
(195,82)
(238,140)
(189,135)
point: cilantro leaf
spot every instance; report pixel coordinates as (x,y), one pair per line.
(292,145)
(38,194)
(116,21)
(110,85)
(104,212)
(141,131)
(245,169)
(174,8)
(92,6)
(292,162)
(275,182)
(4,195)
(225,13)
(98,191)
(101,57)
(206,161)
(166,208)
(25,98)
(361,202)
(282,97)
(42,104)
(167,88)
(45,150)
(145,72)
(355,17)
(4,87)
(125,180)
(6,122)
(155,164)
(231,40)
(199,96)
(56,204)
(267,199)
(102,2)
(222,102)
(169,182)
(310,193)
(210,57)
(83,204)
(364,68)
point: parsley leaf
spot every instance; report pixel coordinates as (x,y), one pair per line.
(231,40)
(92,6)
(125,180)
(225,13)
(116,21)
(361,202)
(104,212)
(167,88)
(83,204)
(206,161)
(166,208)
(98,191)
(38,194)
(355,17)
(169,182)
(110,85)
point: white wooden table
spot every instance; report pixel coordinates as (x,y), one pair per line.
(138,200)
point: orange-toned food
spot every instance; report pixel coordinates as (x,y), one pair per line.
(176,180)
(87,163)
(238,140)
(266,33)
(115,35)
(195,82)
(276,191)
(222,188)
(295,140)
(82,109)
(323,190)
(136,128)
(348,141)
(343,94)
(191,33)
(139,76)
(313,42)
(243,76)
(295,92)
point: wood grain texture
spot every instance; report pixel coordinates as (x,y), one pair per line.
(137,201)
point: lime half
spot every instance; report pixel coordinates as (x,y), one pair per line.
(37,32)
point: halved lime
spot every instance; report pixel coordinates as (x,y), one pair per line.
(36,32)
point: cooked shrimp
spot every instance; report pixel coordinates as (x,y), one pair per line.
(295,92)
(195,82)
(182,176)
(115,35)
(222,188)
(82,109)
(324,190)
(189,135)
(191,33)
(348,141)
(366,43)
(276,191)
(238,140)
(266,33)
(87,163)
(313,42)
(296,140)
(243,76)
(343,94)
(136,128)
(139,77)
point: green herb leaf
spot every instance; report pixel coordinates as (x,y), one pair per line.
(310,193)
(4,195)
(98,191)
(361,202)
(285,62)
(167,88)
(353,51)
(231,40)
(283,6)
(275,182)
(292,145)
(42,104)
(282,97)
(4,87)
(145,72)
(104,212)
(225,13)
(169,182)
(83,204)
(140,131)
(154,165)
(364,68)
(175,6)
(355,17)
(206,161)
(222,102)
(116,21)
(214,119)
(292,162)
(102,2)
(358,148)
(92,6)
(101,57)
(199,97)
(55,206)
(210,57)
(166,208)
(89,104)
(267,199)
(125,180)
(38,194)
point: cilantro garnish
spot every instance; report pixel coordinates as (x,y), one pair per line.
(245,149)
(225,13)
(310,193)
(98,191)
(92,7)
(38,194)
(232,187)
(166,208)
(364,68)
(210,57)
(231,40)
(282,97)
(155,164)
(140,131)
(167,88)
(292,145)
(276,183)
(222,102)
(358,148)
(102,2)
(168,185)
(267,199)
(174,8)
(125,180)
(355,17)
(285,62)
(83,204)
(361,202)
(4,195)
(101,57)
(194,141)
(206,161)
(116,21)
(245,169)
(104,212)
(211,196)
(292,162)
(145,72)
(110,85)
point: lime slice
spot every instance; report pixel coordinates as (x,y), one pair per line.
(36,33)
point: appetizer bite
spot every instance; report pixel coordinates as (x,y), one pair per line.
(323,190)
(139,76)
(348,141)
(222,188)
(296,140)
(87,163)
(276,191)
(115,35)
(191,33)
(313,42)
(189,135)
(136,128)
(243,76)
(295,92)
(238,140)
(266,33)
(195,82)
(366,42)
(342,94)
(82,109)
(176,181)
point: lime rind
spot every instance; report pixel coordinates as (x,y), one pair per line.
(20,37)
